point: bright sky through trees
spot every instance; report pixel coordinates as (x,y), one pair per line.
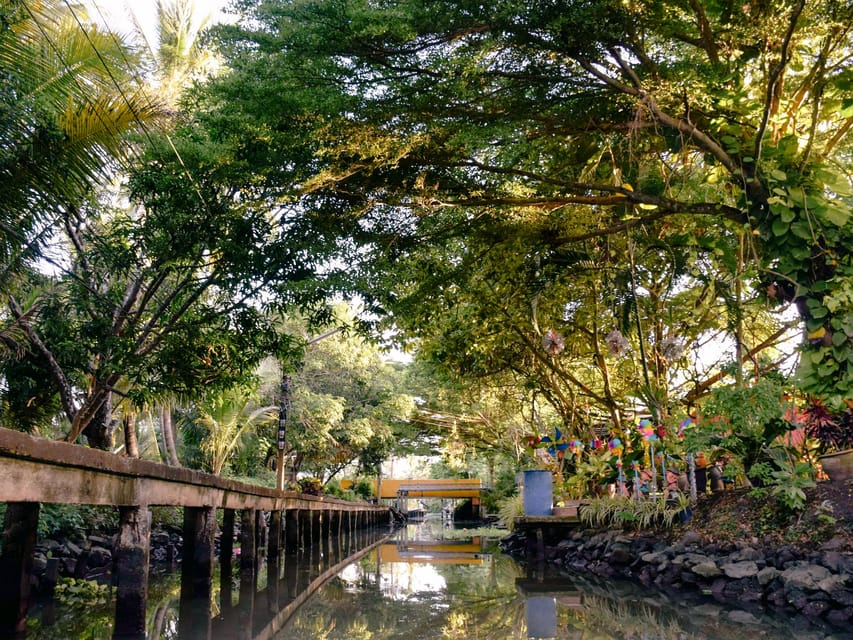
(122,15)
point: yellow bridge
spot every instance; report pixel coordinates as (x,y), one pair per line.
(455,488)
(390,488)
(402,490)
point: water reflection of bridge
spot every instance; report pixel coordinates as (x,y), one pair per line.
(468,551)
(261,614)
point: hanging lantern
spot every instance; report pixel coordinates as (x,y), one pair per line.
(553,342)
(671,348)
(617,345)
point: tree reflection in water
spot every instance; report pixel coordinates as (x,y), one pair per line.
(422,587)
(414,598)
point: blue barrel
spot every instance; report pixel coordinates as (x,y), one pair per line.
(537,492)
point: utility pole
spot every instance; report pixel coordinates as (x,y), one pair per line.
(285,394)
(281,440)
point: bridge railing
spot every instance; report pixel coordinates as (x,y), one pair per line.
(34,471)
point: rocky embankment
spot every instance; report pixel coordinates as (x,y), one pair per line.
(816,583)
(90,557)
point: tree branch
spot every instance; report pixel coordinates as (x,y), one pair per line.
(705,31)
(775,77)
(688,128)
(838,136)
(94,401)
(606,79)
(66,392)
(703,387)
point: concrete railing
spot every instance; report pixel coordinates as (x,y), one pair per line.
(38,470)
(35,470)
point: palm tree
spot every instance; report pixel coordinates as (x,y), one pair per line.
(178,55)
(227,417)
(66,106)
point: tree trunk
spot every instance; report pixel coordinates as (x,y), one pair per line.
(99,432)
(20,529)
(131,444)
(168,429)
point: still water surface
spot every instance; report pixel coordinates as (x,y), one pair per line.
(429,582)
(409,590)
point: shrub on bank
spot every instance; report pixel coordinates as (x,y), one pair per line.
(628,513)
(510,509)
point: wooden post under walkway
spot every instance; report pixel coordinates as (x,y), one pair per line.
(291,532)
(226,557)
(274,539)
(326,538)
(315,545)
(131,564)
(197,571)
(248,572)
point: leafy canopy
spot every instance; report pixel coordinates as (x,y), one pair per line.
(467,149)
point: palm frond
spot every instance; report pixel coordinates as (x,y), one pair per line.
(66,105)
(96,128)
(227,417)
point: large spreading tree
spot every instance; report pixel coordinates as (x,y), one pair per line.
(509,182)
(703,137)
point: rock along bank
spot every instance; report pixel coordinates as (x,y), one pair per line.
(817,583)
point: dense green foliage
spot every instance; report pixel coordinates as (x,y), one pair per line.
(510,168)
(349,406)
(151,298)
(561,207)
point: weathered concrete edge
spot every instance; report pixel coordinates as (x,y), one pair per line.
(35,469)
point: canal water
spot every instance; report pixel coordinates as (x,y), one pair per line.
(420,586)
(425,582)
